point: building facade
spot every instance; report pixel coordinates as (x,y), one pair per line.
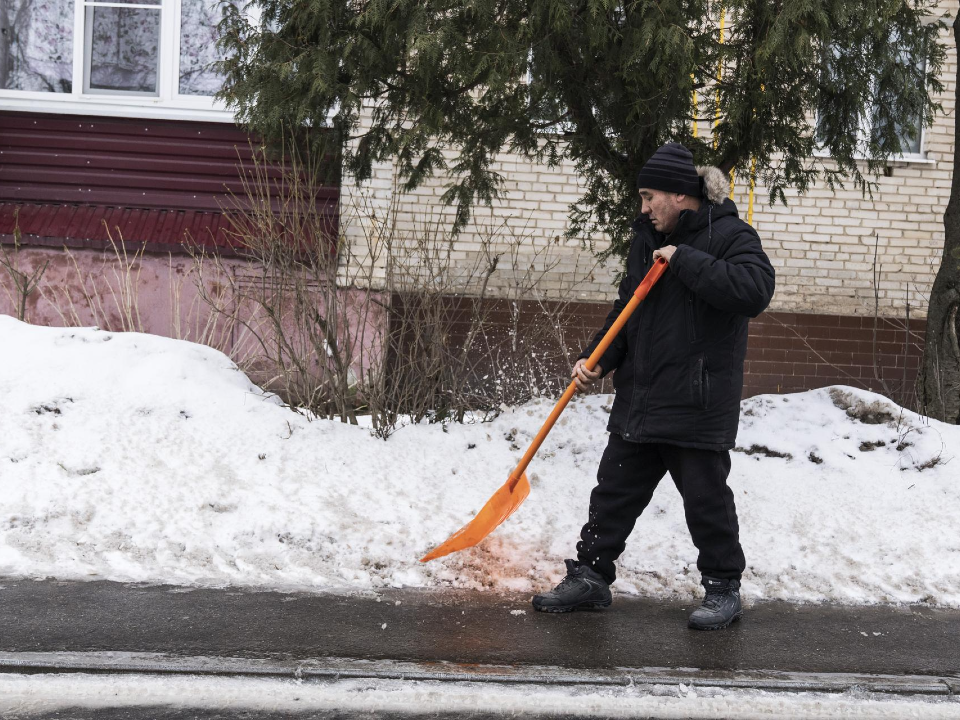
(109,132)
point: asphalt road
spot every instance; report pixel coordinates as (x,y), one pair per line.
(471,628)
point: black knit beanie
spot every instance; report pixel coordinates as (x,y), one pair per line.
(671,169)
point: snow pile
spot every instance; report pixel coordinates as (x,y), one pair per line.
(138,458)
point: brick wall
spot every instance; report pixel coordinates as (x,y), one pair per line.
(786,352)
(789,352)
(531,217)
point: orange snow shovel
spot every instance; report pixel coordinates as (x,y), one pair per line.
(513,492)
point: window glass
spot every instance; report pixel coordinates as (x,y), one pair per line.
(36,45)
(910,129)
(123,49)
(198,47)
(544,107)
(910,134)
(872,120)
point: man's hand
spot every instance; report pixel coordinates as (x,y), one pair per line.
(582,377)
(666,252)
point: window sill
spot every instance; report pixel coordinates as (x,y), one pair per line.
(200,109)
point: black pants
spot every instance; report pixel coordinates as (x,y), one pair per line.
(628,475)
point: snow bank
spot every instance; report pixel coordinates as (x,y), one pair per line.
(137,458)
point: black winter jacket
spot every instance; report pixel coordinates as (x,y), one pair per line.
(679,359)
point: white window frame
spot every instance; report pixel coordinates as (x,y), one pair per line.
(168,103)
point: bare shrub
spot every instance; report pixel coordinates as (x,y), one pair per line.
(196,321)
(399,324)
(303,323)
(110,297)
(396,323)
(897,389)
(475,334)
(24,283)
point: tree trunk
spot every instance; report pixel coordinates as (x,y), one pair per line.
(939,382)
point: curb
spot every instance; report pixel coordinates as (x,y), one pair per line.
(332,669)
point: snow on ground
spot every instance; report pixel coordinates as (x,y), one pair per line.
(133,457)
(23,696)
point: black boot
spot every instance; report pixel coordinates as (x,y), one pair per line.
(720,607)
(582,588)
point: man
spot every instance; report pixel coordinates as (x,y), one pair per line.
(679,376)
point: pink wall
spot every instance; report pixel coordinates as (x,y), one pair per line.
(158,294)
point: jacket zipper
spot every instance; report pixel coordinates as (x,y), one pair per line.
(646,398)
(633,395)
(692,334)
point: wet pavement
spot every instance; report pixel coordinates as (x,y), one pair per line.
(470,628)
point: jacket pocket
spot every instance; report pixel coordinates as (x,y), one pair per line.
(700,382)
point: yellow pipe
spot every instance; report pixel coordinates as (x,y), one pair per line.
(696,130)
(716,116)
(753,172)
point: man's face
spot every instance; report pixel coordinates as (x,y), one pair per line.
(663,208)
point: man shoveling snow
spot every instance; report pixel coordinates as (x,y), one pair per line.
(679,377)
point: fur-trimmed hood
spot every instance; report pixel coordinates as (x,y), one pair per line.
(714,183)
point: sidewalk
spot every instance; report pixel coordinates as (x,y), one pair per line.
(407,633)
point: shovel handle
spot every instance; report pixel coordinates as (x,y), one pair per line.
(659,267)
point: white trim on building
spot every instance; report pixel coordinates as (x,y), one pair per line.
(112,106)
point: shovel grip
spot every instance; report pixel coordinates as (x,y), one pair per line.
(654,274)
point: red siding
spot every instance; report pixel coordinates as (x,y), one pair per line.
(87,226)
(152,179)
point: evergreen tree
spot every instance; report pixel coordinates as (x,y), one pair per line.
(602,82)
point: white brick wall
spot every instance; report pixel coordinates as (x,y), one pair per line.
(822,244)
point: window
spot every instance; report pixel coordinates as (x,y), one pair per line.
(198,49)
(153,57)
(544,108)
(121,49)
(36,45)
(908,129)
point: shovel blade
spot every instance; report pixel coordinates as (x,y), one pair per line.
(498,508)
